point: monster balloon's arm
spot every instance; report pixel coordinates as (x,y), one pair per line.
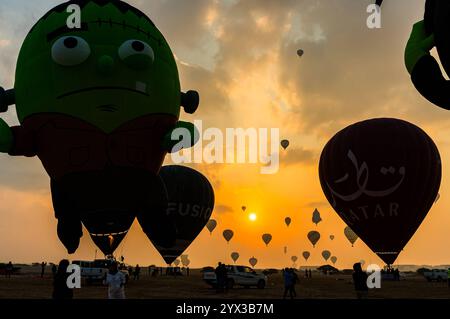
(7,98)
(6,137)
(183,135)
(424,69)
(190,101)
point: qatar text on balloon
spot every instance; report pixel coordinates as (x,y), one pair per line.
(362,180)
(184,209)
(368,212)
(230,147)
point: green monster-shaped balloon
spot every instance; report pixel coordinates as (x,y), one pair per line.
(98,104)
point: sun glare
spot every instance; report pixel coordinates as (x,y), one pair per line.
(252,217)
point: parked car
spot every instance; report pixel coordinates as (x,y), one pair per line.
(95,271)
(238,276)
(436,275)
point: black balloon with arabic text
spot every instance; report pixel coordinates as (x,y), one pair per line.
(382,177)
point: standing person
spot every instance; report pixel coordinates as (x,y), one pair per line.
(115,280)
(294,282)
(360,282)
(43,264)
(219,277)
(9,270)
(137,271)
(60,289)
(187,271)
(288,282)
(54,270)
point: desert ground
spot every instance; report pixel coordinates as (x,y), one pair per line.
(28,285)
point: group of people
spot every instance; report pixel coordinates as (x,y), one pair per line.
(221,277)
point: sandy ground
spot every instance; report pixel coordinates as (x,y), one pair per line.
(29,285)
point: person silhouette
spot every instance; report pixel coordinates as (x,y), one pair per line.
(115,280)
(360,281)
(9,270)
(60,289)
(43,264)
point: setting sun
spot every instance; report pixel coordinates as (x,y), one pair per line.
(252,217)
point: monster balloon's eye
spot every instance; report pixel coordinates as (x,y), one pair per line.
(70,51)
(136,53)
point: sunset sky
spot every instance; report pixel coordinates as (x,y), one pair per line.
(241,56)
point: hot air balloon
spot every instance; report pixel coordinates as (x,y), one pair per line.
(243,208)
(211,225)
(288,221)
(300,52)
(191,202)
(316,217)
(285,250)
(294,259)
(326,254)
(332,237)
(313,237)
(350,234)
(306,255)
(228,234)
(176,262)
(333,260)
(381,176)
(285,144)
(235,256)
(253,261)
(266,238)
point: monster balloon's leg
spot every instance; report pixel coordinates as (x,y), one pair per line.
(69,224)
(154,220)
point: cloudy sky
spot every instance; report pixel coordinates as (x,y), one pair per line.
(241,57)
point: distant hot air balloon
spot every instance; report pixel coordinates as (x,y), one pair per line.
(211,225)
(235,256)
(332,237)
(228,234)
(191,202)
(288,221)
(333,260)
(244,208)
(316,217)
(313,237)
(306,255)
(294,259)
(381,176)
(176,262)
(285,250)
(326,254)
(285,144)
(253,261)
(187,263)
(300,52)
(266,238)
(350,234)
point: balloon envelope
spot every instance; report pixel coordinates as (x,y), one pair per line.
(253,261)
(288,221)
(316,217)
(228,234)
(235,256)
(267,238)
(211,225)
(306,255)
(300,52)
(332,237)
(326,254)
(350,234)
(314,237)
(285,144)
(381,176)
(333,259)
(244,208)
(294,259)
(191,202)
